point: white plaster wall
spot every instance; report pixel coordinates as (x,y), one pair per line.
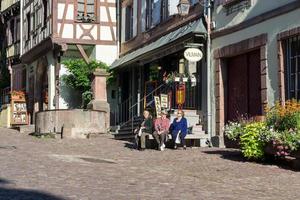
(67,31)
(70,12)
(105,33)
(68,98)
(258,7)
(272,27)
(60,10)
(103,14)
(106,53)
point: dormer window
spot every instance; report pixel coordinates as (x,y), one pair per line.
(86,10)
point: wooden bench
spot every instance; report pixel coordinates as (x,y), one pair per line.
(192,137)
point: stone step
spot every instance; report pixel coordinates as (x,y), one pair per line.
(25,129)
(197,128)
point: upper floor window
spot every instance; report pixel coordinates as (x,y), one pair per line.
(128,23)
(45,12)
(157,11)
(164,10)
(86,10)
(28,20)
(292,67)
(11,32)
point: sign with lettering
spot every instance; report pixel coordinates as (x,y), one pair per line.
(193,54)
(157,105)
(164,100)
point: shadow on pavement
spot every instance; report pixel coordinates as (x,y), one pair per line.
(236,155)
(22,194)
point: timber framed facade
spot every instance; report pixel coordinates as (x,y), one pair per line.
(58,30)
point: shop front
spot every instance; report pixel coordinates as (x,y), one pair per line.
(163,70)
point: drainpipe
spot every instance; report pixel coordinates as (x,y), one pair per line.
(119,22)
(21,27)
(207,14)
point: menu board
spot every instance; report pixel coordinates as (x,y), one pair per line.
(19,113)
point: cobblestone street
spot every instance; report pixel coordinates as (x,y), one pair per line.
(103,168)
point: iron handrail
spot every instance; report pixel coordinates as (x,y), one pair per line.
(147,96)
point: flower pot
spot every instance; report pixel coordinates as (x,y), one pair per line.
(270,149)
(185,79)
(295,154)
(177,79)
(234,144)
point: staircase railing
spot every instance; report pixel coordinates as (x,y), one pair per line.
(126,112)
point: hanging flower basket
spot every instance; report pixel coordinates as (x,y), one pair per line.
(18,95)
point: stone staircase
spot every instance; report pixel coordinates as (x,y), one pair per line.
(125,132)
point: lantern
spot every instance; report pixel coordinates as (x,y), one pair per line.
(183,7)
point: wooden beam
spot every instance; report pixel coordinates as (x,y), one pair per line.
(83,54)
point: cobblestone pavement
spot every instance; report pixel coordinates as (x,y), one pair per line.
(103,168)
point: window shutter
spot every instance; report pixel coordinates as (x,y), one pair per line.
(156,12)
(135,12)
(173,7)
(143,15)
(123,25)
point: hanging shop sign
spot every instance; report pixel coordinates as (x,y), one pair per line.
(193,54)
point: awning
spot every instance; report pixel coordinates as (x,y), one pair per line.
(193,27)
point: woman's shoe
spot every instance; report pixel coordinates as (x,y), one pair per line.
(184,147)
(175,146)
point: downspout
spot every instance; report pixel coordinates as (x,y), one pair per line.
(207,14)
(118,26)
(21,27)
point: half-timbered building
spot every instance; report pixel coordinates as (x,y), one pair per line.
(55,30)
(10,17)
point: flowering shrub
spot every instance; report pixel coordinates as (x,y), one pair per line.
(251,144)
(280,130)
(233,130)
(284,117)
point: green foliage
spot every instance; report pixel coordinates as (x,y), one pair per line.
(252,146)
(80,76)
(87,96)
(233,130)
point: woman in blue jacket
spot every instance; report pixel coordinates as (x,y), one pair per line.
(179,126)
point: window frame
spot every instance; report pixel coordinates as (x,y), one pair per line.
(84,18)
(292,88)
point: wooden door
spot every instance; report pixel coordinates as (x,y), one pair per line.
(237,87)
(243,90)
(254,84)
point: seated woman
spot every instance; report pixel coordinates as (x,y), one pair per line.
(179,129)
(146,128)
(161,126)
